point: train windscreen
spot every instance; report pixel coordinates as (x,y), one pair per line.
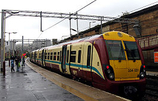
(115,50)
(132,50)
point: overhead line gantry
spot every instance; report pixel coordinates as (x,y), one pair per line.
(8,13)
(67,16)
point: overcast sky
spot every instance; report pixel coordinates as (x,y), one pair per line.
(29,27)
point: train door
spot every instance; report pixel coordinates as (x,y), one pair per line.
(68,59)
(65,62)
(43,58)
(87,72)
(35,56)
(80,61)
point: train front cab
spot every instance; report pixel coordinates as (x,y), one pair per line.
(125,70)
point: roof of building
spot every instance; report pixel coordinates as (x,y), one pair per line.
(143,11)
(132,15)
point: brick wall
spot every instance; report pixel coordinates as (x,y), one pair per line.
(148,27)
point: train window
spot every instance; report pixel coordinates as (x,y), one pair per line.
(54,55)
(51,56)
(45,55)
(35,55)
(67,56)
(115,50)
(48,56)
(58,56)
(73,56)
(79,56)
(132,50)
(88,55)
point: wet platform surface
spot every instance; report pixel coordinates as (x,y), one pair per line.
(31,86)
(38,84)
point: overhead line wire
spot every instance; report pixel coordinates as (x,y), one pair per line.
(65,18)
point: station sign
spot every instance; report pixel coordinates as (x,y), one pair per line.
(155,57)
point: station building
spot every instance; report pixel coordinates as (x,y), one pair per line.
(146,32)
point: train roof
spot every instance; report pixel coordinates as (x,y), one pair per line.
(35,50)
(113,35)
(75,41)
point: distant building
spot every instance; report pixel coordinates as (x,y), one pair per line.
(54,41)
(39,43)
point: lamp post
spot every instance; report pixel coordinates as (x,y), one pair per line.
(3,19)
(10,44)
(2,42)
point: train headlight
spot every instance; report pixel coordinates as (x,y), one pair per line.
(111,76)
(109,72)
(142,72)
(142,75)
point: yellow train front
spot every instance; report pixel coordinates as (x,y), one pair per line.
(112,61)
(125,69)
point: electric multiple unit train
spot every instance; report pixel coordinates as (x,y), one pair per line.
(112,61)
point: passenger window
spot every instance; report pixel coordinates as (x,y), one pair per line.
(79,56)
(67,56)
(54,55)
(48,56)
(73,56)
(35,55)
(51,56)
(45,55)
(58,56)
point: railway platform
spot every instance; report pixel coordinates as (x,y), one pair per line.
(38,84)
(31,86)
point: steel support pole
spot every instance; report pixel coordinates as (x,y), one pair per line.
(2,42)
(22,52)
(77,24)
(41,22)
(90,25)
(2,36)
(13,47)
(70,27)
(101,26)
(9,49)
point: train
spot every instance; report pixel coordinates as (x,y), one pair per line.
(112,61)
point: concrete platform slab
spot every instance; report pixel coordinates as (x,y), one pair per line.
(31,86)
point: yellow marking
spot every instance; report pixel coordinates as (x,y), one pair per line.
(123,79)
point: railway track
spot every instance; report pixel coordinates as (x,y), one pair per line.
(151,93)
